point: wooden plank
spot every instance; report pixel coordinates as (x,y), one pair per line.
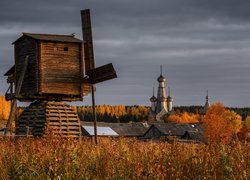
(65,121)
(23,48)
(60,71)
(87,40)
(102,73)
(61,88)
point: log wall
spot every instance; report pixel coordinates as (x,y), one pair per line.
(27,47)
(60,68)
(48,117)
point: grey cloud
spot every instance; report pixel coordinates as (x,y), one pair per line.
(201,44)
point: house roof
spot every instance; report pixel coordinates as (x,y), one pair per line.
(130,129)
(194,135)
(101,131)
(50,37)
(176,129)
(10,71)
(139,129)
(123,129)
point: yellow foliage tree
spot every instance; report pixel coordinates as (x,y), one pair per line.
(183,118)
(247,123)
(245,130)
(4,108)
(221,124)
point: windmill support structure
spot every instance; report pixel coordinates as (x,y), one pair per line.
(14,100)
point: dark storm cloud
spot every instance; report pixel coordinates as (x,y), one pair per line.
(201,44)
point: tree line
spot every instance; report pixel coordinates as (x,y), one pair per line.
(122,113)
(118,113)
(220,123)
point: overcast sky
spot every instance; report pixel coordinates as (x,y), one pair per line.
(202,45)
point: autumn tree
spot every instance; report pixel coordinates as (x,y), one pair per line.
(4,108)
(182,118)
(221,124)
(247,123)
(118,113)
(245,130)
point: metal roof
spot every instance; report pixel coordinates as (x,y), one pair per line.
(101,131)
(124,129)
(51,37)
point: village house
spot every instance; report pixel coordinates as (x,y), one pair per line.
(175,131)
(156,131)
(122,129)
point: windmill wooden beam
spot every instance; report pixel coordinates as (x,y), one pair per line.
(14,101)
(95,75)
(87,40)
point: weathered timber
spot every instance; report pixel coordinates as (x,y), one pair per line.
(18,89)
(55,70)
(28,85)
(49,117)
(87,40)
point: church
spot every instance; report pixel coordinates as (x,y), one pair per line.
(163,104)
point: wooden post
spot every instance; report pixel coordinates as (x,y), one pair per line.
(27,131)
(14,101)
(94,111)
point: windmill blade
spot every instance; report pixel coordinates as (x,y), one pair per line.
(87,41)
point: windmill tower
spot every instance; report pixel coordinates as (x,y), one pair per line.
(48,70)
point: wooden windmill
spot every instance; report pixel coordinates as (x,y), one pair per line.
(48,70)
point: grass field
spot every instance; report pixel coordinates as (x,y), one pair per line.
(121,159)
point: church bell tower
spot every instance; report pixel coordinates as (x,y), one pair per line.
(162,104)
(161,95)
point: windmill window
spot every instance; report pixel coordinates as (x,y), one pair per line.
(66,49)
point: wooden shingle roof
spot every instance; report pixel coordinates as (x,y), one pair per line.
(10,71)
(176,129)
(140,129)
(50,37)
(194,135)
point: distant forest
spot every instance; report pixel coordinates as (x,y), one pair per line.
(118,113)
(121,113)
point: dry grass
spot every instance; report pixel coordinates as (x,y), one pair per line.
(120,159)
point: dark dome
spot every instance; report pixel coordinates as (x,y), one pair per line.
(170,98)
(161,79)
(153,99)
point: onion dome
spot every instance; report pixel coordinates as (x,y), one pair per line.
(153,99)
(170,98)
(161,79)
(206,106)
